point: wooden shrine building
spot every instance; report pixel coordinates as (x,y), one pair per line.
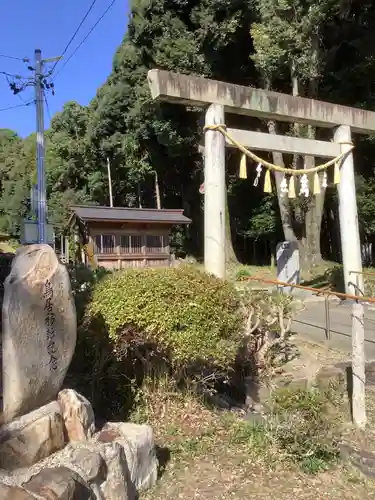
(117,238)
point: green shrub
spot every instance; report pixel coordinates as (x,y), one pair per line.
(242,273)
(299,428)
(303,428)
(190,317)
(178,322)
(82,280)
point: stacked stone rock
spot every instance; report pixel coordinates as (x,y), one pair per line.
(49,446)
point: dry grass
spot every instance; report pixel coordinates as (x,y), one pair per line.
(215,455)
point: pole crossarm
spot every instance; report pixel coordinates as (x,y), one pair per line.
(199,91)
(271,166)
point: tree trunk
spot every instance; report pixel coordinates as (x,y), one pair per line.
(284,205)
(315,206)
(308,216)
(313,223)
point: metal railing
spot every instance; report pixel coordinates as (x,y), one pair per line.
(326,293)
(358,377)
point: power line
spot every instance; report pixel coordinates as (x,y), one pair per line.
(17,106)
(17,94)
(75,33)
(23,59)
(17,88)
(18,77)
(86,37)
(23,100)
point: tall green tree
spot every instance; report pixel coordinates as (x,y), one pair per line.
(148,141)
(17,164)
(317,48)
(74,170)
(290,56)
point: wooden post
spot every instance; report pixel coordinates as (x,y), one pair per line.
(109,183)
(358,366)
(214,194)
(349,230)
(67,250)
(62,253)
(157,192)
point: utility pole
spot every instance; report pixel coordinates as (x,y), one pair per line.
(109,183)
(39,81)
(41,175)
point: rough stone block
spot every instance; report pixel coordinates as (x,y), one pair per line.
(102,466)
(117,484)
(78,415)
(298,383)
(59,483)
(31,437)
(39,330)
(139,446)
(85,459)
(14,493)
(330,375)
(257,394)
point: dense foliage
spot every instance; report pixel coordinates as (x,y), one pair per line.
(320,49)
(179,323)
(187,316)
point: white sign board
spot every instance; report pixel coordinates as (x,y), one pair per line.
(29,234)
(288,269)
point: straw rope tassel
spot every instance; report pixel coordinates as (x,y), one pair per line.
(316,183)
(336,175)
(243,170)
(267,182)
(292,188)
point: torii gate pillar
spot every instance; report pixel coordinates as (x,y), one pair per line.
(266,105)
(214,193)
(349,228)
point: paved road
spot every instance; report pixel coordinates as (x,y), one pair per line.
(312,323)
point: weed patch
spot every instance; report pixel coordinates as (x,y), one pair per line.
(303,429)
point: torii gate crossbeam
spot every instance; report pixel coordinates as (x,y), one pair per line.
(217,97)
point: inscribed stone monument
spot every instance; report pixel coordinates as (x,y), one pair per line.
(39,330)
(288,268)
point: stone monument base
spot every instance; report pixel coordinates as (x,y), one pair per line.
(56,452)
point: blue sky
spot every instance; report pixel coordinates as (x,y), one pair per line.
(29,24)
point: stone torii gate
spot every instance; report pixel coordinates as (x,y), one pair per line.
(217,97)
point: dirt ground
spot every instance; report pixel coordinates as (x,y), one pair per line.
(224,476)
(206,455)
